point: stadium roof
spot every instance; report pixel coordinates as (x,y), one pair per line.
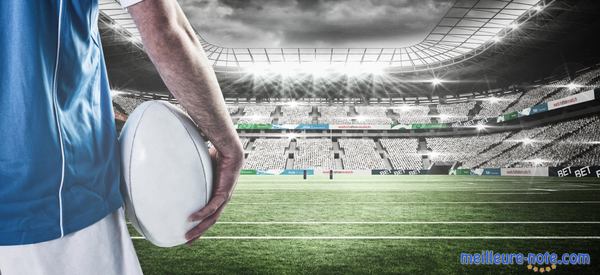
(468,29)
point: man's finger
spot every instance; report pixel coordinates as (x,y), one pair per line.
(199,229)
(211,208)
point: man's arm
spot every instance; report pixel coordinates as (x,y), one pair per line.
(179,58)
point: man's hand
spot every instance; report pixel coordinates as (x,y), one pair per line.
(173,47)
(227,173)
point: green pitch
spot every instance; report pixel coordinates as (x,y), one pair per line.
(389,224)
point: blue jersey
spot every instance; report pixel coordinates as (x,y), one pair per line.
(59,156)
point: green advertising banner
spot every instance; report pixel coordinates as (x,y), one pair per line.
(430,126)
(248,172)
(507,117)
(255,126)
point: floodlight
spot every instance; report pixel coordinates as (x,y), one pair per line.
(436,81)
(360,118)
(538,8)
(291,136)
(480,127)
(537,161)
(405,108)
(115,93)
(444,117)
(573,86)
(497,39)
(527,141)
(494,100)
(514,26)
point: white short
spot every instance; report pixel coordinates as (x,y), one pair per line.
(102,248)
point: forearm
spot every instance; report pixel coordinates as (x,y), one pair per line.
(179,58)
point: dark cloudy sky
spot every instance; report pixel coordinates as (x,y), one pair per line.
(314,23)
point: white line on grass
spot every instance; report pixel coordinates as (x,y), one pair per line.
(542,189)
(242,192)
(415,202)
(515,193)
(394,238)
(406,222)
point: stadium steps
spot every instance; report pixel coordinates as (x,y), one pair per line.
(422,148)
(433,112)
(382,152)
(289,163)
(475,111)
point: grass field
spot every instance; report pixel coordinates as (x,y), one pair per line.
(389,224)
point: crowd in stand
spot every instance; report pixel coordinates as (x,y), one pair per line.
(494,106)
(257,114)
(360,154)
(462,149)
(267,153)
(314,154)
(296,115)
(334,115)
(449,113)
(403,153)
(372,115)
(579,136)
(544,147)
(409,114)
(128,104)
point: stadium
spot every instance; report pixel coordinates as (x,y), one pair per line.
(482,136)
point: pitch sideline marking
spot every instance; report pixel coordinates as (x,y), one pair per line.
(416,202)
(394,238)
(515,193)
(408,222)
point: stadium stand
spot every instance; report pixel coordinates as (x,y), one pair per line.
(408,114)
(360,154)
(232,109)
(257,114)
(372,115)
(462,149)
(267,153)
(296,115)
(455,112)
(494,106)
(128,104)
(334,115)
(522,155)
(403,153)
(314,154)
(579,136)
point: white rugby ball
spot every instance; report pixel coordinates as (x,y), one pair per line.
(167,172)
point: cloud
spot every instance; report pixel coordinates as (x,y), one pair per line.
(314,23)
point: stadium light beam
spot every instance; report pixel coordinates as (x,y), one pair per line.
(527,141)
(573,86)
(436,81)
(480,127)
